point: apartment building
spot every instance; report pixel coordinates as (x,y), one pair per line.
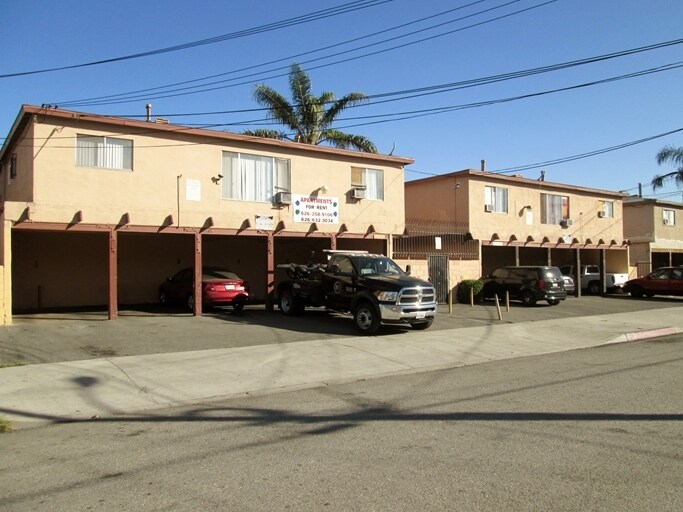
(98,211)
(655,229)
(522,221)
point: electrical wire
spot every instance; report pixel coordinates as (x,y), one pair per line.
(205,87)
(306,18)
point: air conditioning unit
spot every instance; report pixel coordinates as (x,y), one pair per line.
(358,193)
(666,222)
(488,207)
(601,215)
(567,223)
(283,198)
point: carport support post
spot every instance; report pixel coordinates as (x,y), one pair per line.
(577,273)
(197,274)
(603,272)
(113,276)
(516,255)
(270,273)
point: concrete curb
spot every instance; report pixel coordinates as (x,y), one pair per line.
(645,335)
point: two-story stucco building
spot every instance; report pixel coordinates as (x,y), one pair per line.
(655,230)
(522,221)
(98,211)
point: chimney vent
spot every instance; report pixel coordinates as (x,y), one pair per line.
(149,112)
(483,166)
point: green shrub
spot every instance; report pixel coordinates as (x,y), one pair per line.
(463,293)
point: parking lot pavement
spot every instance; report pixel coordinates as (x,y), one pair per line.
(74,336)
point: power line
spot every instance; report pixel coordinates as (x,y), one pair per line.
(204,88)
(284,59)
(306,18)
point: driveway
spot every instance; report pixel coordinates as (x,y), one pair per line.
(72,336)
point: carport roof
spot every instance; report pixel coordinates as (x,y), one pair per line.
(165,128)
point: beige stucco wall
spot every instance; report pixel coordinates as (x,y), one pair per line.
(436,198)
(156,187)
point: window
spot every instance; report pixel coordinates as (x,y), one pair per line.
(497,197)
(253,177)
(669,217)
(554,208)
(105,152)
(607,209)
(13,167)
(371,179)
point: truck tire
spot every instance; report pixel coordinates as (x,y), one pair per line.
(366,318)
(421,326)
(594,288)
(289,304)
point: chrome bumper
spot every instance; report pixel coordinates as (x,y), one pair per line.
(394,313)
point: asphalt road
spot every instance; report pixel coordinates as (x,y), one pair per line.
(73,335)
(594,429)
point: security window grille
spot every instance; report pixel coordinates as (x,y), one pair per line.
(496,197)
(371,179)
(607,209)
(669,217)
(554,208)
(253,177)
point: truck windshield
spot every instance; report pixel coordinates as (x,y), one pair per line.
(378,266)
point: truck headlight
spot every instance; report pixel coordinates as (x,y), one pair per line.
(387,296)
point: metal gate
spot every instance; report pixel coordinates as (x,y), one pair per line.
(437,265)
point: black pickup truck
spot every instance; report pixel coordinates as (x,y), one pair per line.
(371,287)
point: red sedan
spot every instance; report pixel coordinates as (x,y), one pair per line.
(220,287)
(663,281)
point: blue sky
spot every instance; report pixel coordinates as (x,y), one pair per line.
(415,45)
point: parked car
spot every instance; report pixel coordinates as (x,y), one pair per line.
(663,281)
(590,278)
(569,285)
(527,284)
(220,287)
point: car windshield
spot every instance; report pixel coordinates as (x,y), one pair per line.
(218,273)
(378,266)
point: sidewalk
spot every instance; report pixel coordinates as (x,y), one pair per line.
(41,393)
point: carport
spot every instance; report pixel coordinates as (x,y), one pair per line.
(610,256)
(76,265)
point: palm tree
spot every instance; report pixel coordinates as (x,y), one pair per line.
(307,116)
(675,156)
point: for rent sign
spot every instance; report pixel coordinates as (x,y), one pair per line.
(318,209)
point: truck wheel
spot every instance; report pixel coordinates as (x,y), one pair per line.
(421,326)
(289,304)
(594,288)
(366,318)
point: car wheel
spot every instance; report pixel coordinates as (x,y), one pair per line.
(190,302)
(366,318)
(421,326)
(289,304)
(553,302)
(528,298)
(163,298)
(238,306)
(594,288)
(637,292)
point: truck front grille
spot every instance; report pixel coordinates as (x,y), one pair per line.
(417,296)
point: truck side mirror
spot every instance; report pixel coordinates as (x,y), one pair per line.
(408,269)
(335,269)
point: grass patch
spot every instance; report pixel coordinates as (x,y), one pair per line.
(10,365)
(5,426)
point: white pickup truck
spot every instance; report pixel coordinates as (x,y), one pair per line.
(590,278)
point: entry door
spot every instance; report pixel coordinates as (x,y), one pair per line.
(438,275)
